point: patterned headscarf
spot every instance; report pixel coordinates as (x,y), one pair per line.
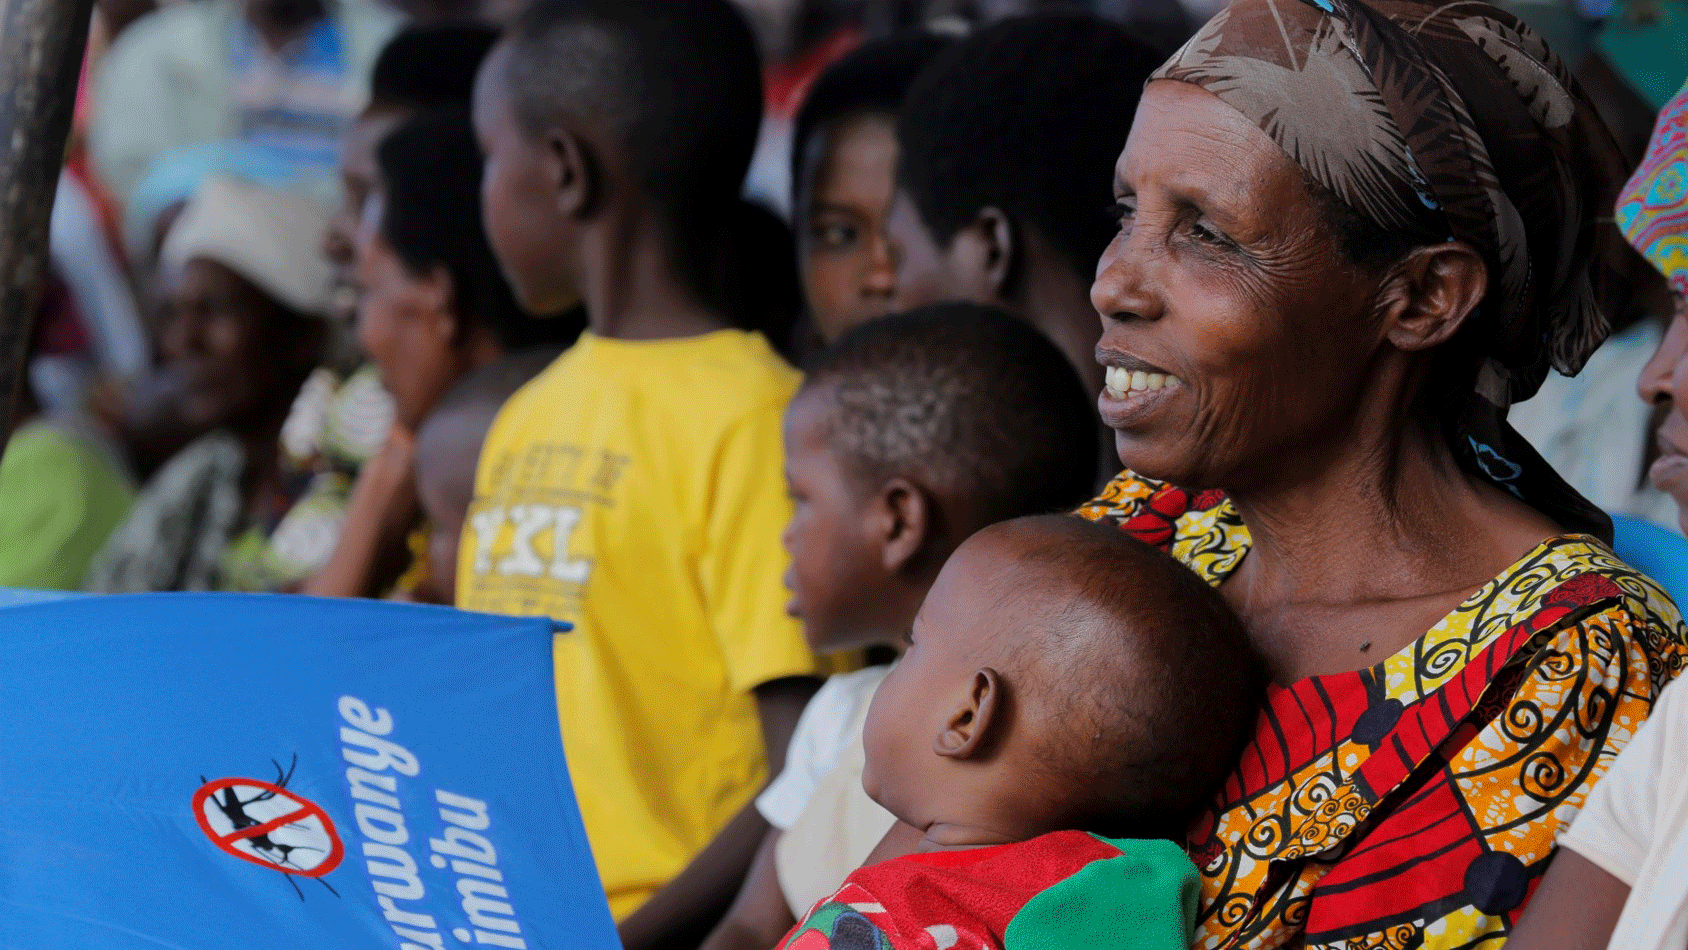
(1444,121)
(1653,208)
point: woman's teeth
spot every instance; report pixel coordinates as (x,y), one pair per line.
(1124,382)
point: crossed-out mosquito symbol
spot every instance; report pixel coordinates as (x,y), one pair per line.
(270,825)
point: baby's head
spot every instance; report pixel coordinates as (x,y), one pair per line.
(1061,675)
(448,448)
(909,434)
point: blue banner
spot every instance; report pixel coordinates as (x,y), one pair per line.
(209,771)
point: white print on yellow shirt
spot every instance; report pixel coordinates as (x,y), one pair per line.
(527,556)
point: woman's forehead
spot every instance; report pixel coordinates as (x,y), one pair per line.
(1187,140)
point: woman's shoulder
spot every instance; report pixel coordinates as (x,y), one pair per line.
(1198,527)
(1576,570)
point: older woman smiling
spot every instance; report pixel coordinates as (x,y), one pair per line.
(1351,234)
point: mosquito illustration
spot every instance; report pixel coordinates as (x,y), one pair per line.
(234,807)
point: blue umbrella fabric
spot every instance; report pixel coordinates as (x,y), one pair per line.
(194,771)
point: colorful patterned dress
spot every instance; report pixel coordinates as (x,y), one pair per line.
(1416,803)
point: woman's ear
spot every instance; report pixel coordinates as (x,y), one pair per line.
(970,727)
(1435,289)
(905,524)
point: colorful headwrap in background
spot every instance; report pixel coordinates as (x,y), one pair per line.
(1653,207)
(1445,121)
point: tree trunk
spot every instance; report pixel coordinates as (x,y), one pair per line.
(41,48)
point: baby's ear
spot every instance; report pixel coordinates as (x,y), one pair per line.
(969,727)
(904,525)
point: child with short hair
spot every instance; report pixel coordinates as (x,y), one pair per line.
(1064,687)
(909,434)
(448,447)
(843,167)
(633,488)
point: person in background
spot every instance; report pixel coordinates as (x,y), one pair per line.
(617,134)
(909,434)
(1619,880)
(344,416)
(1007,146)
(284,76)
(61,492)
(843,167)
(448,448)
(246,296)
(1068,699)
(433,307)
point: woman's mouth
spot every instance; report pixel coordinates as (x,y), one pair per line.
(1122,382)
(1130,394)
(1669,473)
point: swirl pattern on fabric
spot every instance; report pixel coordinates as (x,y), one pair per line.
(1416,803)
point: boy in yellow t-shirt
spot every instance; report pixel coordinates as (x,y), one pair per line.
(634,488)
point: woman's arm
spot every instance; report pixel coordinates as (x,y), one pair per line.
(1576,907)
(370,552)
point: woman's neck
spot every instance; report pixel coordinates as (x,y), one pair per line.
(1353,559)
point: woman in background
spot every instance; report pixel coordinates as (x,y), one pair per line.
(245,293)
(433,307)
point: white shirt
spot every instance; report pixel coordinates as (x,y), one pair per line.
(829,724)
(1635,827)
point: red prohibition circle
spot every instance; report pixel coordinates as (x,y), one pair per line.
(307,809)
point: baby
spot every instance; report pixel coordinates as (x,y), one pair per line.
(1065,687)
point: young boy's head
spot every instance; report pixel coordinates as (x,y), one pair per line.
(448,448)
(843,166)
(1061,675)
(909,434)
(640,112)
(1008,141)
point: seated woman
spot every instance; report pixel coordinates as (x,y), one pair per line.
(1352,232)
(433,307)
(1620,880)
(244,291)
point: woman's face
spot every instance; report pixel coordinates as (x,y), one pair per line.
(405,323)
(1665,375)
(848,175)
(229,342)
(358,173)
(1237,337)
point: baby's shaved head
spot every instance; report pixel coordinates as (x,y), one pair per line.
(1134,678)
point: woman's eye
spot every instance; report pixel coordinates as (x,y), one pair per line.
(1123,211)
(1207,234)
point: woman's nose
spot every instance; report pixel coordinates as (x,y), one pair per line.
(1122,289)
(1657,384)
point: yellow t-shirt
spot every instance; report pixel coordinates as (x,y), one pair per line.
(634,489)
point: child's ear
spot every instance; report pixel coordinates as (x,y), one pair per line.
(984,252)
(575,174)
(965,735)
(906,525)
